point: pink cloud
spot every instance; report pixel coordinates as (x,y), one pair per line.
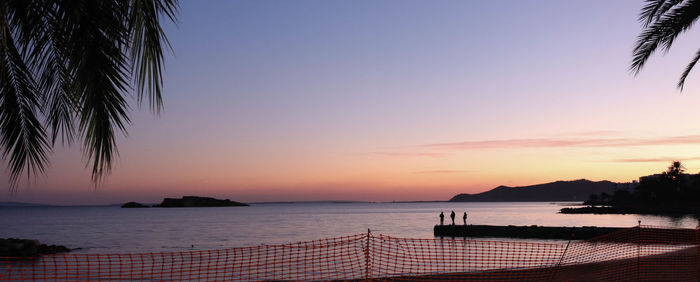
(655,160)
(439,171)
(564,142)
(591,133)
(408,154)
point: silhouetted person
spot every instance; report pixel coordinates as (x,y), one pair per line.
(442,218)
(452,215)
(465,218)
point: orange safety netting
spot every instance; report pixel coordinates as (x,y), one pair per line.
(639,253)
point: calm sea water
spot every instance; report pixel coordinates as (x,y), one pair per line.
(110,229)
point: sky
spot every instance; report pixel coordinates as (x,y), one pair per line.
(393,101)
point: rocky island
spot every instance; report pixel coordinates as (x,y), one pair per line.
(194,201)
(188,201)
(134,205)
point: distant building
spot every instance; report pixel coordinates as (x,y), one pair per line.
(650,177)
(631,186)
(684,177)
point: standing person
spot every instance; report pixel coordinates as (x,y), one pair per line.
(465,218)
(452,215)
(442,218)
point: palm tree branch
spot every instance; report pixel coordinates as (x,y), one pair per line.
(663,32)
(687,70)
(72,64)
(23,136)
(46,53)
(147,39)
(99,67)
(654,9)
(62,106)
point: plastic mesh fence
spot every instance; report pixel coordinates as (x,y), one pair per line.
(639,253)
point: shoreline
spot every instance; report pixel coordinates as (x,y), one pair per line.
(663,211)
(538,232)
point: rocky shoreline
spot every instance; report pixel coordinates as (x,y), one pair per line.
(13,247)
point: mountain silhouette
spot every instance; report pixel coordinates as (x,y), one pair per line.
(577,190)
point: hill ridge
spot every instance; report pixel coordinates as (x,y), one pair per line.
(560,190)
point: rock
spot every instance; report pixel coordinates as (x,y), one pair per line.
(134,205)
(52,249)
(13,247)
(194,201)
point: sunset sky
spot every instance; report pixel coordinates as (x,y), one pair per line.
(394,100)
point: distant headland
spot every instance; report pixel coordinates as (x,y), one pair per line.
(189,201)
(559,191)
(670,192)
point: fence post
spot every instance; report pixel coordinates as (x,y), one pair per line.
(367,255)
(639,246)
(697,246)
(561,259)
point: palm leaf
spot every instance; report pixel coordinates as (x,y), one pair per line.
(48,58)
(663,32)
(73,62)
(23,137)
(654,9)
(146,53)
(98,65)
(687,70)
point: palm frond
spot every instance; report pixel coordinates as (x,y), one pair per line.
(686,72)
(23,136)
(73,62)
(100,79)
(61,109)
(654,9)
(48,57)
(663,32)
(147,40)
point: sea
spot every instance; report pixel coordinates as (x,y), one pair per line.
(111,229)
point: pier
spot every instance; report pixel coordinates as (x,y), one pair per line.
(530,232)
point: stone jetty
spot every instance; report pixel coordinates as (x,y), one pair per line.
(532,231)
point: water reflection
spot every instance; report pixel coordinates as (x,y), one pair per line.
(111,229)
